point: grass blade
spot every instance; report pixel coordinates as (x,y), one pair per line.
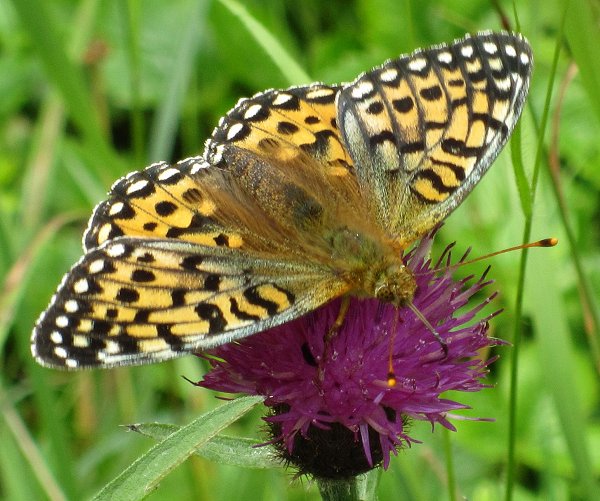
(286,64)
(222,449)
(164,126)
(556,350)
(144,474)
(67,77)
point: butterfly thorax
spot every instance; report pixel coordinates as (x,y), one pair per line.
(373,269)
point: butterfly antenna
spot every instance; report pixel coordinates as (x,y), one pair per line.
(431,328)
(546,242)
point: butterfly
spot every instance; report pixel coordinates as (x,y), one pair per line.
(302,196)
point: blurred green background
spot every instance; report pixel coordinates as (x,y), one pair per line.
(91,89)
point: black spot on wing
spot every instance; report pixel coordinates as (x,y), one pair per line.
(143,276)
(127,295)
(242,315)
(175,342)
(165,208)
(213,315)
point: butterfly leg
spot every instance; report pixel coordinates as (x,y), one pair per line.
(331,332)
(339,320)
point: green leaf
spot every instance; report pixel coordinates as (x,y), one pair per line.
(223,449)
(164,127)
(66,76)
(286,64)
(583,37)
(519,171)
(139,479)
(558,355)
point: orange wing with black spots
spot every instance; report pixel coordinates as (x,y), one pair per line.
(138,300)
(284,124)
(162,201)
(302,195)
(423,129)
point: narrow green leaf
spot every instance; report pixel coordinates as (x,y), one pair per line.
(164,127)
(222,449)
(141,477)
(518,315)
(583,36)
(286,64)
(557,354)
(130,15)
(516,152)
(21,461)
(67,77)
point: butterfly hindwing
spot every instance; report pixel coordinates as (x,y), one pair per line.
(136,300)
(423,129)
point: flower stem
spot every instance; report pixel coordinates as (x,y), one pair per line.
(359,488)
(449,465)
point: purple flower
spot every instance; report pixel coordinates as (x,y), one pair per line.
(333,413)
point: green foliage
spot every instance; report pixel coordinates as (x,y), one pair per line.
(91,90)
(145,473)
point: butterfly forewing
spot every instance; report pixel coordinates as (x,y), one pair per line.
(283,124)
(162,201)
(424,128)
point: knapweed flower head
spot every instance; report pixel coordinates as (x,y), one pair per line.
(333,412)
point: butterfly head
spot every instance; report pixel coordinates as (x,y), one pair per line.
(395,284)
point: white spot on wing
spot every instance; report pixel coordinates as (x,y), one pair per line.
(168,174)
(510,51)
(233,131)
(388,75)
(96,266)
(137,186)
(251,112)
(467,50)
(490,47)
(281,98)
(362,89)
(71,306)
(104,232)
(112,347)
(115,250)
(81,286)
(319,93)
(115,208)
(60,352)
(445,57)
(417,64)
(71,363)
(56,337)
(62,321)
